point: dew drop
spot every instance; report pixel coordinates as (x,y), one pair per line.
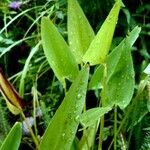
(76,106)
(80,17)
(79,96)
(122,76)
(77,118)
(63,135)
(119,84)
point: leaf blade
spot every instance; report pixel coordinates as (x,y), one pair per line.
(113,59)
(57,52)
(62,128)
(80,32)
(92,115)
(121,74)
(13,139)
(100,46)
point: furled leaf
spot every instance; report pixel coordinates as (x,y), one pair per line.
(80,33)
(100,46)
(13,139)
(113,59)
(57,52)
(12,98)
(63,126)
(92,115)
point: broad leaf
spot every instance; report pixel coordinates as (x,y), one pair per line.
(113,59)
(57,52)
(80,33)
(13,139)
(63,126)
(92,115)
(120,85)
(100,46)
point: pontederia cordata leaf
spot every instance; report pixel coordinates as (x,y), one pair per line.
(63,126)
(13,139)
(100,45)
(120,84)
(113,59)
(57,52)
(89,117)
(80,33)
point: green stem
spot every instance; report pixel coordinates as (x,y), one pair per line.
(120,127)
(101,133)
(115,128)
(35,99)
(103,98)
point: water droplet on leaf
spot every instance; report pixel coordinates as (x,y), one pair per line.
(79,96)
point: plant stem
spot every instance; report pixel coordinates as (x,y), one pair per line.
(115,128)
(35,99)
(103,97)
(31,131)
(101,133)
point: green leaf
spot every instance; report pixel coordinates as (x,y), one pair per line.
(92,115)
(100,46)
(80,33)
(113,59)
(120,85)
(13,139)
(57,52)
(63,126)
